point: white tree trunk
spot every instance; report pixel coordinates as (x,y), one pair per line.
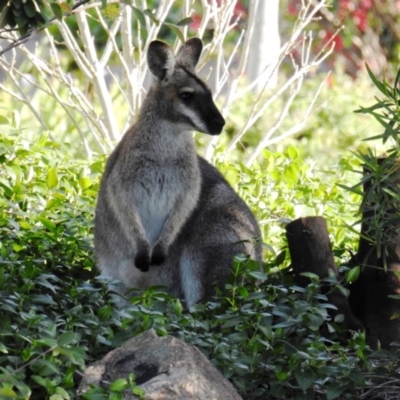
(264,43)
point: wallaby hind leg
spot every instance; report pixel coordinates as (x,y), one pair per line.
(201,271)
(207,259)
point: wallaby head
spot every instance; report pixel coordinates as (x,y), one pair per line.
(182,98)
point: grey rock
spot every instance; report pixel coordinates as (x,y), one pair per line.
(165,368)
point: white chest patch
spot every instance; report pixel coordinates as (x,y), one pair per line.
(155,197)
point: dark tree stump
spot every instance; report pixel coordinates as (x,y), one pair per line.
(379,255)
(311,251)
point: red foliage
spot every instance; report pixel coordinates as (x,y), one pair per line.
(330,37)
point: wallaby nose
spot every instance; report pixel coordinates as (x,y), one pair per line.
(217,123)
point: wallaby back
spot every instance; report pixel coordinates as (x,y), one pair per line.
(164,215)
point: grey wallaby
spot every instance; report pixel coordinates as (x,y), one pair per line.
(164,215)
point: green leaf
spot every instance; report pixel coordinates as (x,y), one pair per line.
(281,375)
(58,397)
(280,258)
(353,274)
(334,391)
(96,393)
(185,21)
(51,226)
(292,152)
(357,377)
(378,84)
(258,275)
(138,391)
(4,120)
(395,315)
(313,277)
(57,11)
(7,393)
(176,30)
(43,299)
(232,322)
(25,225)
(139,15)
(151,15)
(29,9)
(291,174)
(85,183)
(40,380)
(67,338)
(52,179)
(305,378)
(119,385)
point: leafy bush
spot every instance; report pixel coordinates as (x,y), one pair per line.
(263,332)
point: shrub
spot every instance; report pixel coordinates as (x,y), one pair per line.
(263,332)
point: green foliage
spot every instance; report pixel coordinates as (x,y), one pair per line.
(284,187)
(46,204)
(380,179)
(262,332)
(22,14)
(115,390)
(26,15)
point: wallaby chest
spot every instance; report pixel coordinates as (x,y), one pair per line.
(157,185)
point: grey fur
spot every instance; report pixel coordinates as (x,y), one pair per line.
(164,215)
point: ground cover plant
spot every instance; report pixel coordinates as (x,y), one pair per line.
(263,333)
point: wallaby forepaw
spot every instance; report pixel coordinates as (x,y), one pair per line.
(142,261)
(158,255)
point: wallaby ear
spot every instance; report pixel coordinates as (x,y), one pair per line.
(161,59)
(189,54)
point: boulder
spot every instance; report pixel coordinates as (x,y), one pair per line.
(164,367)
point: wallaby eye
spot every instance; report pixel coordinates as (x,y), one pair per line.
(186,96)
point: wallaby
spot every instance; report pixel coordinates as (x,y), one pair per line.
(164,215)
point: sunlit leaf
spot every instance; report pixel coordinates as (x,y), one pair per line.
(52,178)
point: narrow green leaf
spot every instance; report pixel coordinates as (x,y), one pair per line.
(185,21)
(151,15)
(378,84)
(139,15)
(176,30)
